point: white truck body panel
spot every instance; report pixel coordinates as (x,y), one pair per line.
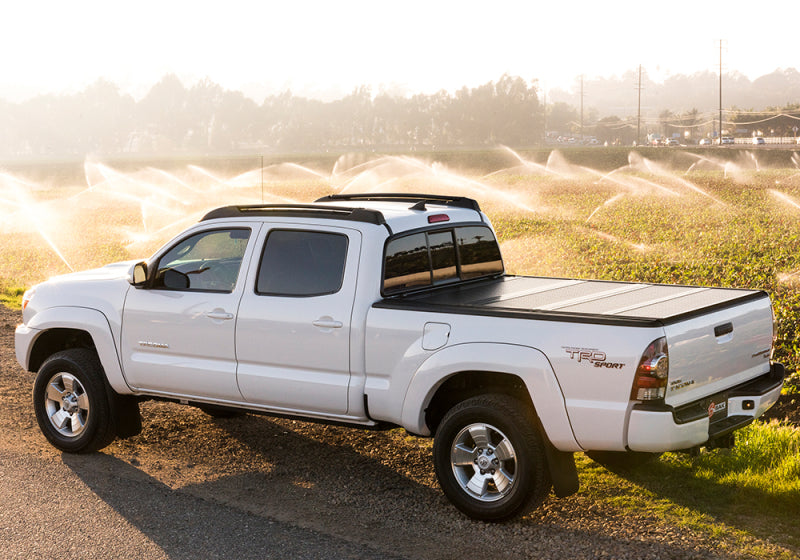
(595,399)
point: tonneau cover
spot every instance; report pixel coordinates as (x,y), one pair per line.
(576,300)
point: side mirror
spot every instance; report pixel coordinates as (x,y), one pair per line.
(138,275)
(175,280)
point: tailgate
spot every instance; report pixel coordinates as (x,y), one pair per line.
(712,352)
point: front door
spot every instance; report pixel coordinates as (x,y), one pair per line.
(178,331)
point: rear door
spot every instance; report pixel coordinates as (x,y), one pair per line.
(293,330)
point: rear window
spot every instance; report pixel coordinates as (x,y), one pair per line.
(437,257)
(480,255)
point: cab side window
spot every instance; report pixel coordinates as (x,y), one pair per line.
(208,261)
(407,264)
(299,263)
(432,258)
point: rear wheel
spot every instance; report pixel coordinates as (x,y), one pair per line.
(489,458)
(71,402)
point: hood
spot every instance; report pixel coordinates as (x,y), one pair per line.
(110,271)
(102,288)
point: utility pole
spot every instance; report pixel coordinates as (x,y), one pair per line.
(639,110)
(544,116)
(581,108)
(720,91)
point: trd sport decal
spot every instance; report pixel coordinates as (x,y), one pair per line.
(591,356)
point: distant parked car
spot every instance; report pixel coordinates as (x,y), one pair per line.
(705,141)
(758,140)
(727,140)
(671,142)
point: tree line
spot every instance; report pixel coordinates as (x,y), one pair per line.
(205,118)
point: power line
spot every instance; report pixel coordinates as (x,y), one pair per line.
(767,119)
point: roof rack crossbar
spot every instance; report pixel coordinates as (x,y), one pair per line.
(454,201)
(298,210)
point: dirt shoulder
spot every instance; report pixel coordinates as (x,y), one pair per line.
(254,487)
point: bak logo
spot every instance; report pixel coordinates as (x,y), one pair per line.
(591,356)
(714,408)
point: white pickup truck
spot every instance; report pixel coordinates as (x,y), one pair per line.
(395,310)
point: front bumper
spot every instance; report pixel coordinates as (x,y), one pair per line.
(23,340)
(657,428)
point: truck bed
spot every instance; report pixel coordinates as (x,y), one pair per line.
(562,299)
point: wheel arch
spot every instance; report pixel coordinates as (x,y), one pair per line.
(62,328)
(460,371)
(465,384)
(54,340)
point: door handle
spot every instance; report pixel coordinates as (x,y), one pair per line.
(219,315)
(327,323)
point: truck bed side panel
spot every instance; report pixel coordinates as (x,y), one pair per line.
(593,366)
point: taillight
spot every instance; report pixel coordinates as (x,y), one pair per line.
(650,382)
(774,332)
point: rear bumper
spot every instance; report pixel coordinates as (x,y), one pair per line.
(657,428)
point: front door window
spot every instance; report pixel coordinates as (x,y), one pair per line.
(206,261)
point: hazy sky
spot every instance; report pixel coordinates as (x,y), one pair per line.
(264,46)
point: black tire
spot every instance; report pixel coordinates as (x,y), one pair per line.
(71,402)
(493,442)
(622,460)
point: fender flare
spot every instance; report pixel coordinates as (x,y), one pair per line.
(92,321)
(525,362)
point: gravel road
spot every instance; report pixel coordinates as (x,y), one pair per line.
(195,487)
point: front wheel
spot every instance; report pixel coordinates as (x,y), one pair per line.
(489,458)
(71,402)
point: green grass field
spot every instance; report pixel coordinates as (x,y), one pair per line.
(695,219)
(743,497)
